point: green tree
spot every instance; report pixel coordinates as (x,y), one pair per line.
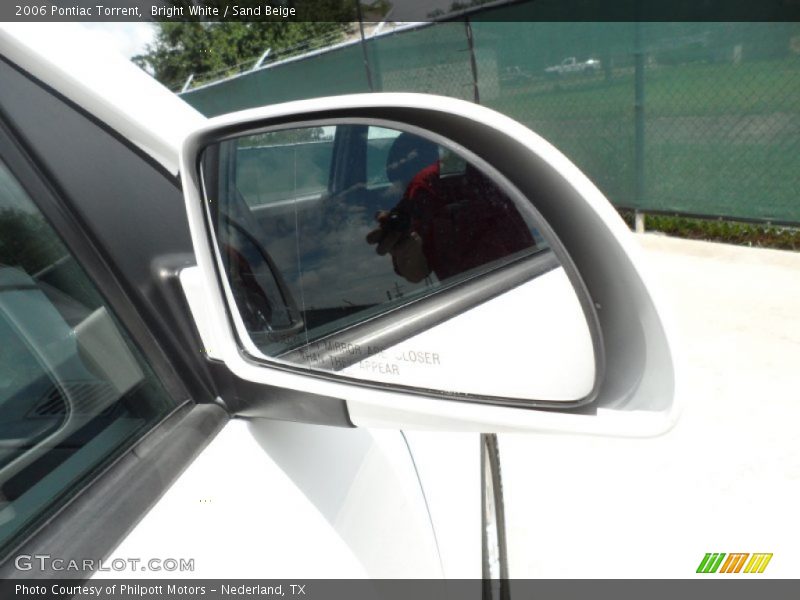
(208,48)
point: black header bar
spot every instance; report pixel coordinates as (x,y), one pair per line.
(398,10)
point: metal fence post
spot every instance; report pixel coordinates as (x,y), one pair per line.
(638,221)
(473,62)
(638,107)
(364,48)
(188,83)
(261,59)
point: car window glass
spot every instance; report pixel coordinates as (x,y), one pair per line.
(284,166)
(74,391)
(326,256)
(379,140)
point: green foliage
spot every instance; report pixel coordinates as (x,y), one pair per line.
(718,230)
(205,48)
(286,136)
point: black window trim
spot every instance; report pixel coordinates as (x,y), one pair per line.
(148,465)
(80,242)
(78,238)
(146,470)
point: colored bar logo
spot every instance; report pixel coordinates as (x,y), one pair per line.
(712,562)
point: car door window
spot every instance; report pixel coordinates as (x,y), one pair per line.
(328,252)
(379,141)
(284,166)
(74,391)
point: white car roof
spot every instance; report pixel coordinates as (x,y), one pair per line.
(103,83)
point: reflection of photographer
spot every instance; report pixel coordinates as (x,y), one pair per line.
(445,226)
(411,162)
(394,236)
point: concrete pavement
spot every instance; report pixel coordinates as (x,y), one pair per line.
(725,479)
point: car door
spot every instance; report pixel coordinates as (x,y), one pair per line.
(93,390)
(541,321)
(98,310)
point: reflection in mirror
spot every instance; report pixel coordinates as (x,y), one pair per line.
(387,256)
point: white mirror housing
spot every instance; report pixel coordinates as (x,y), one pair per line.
(636,378)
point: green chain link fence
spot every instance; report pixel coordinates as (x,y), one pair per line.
(689,118)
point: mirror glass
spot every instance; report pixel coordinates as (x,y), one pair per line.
(390,255)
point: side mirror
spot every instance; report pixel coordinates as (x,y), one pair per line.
(430,261)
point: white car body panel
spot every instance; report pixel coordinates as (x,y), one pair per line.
(448,466)
(237,515)
(276,499)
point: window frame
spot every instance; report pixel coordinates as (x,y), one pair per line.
(161,451)
(79,241)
